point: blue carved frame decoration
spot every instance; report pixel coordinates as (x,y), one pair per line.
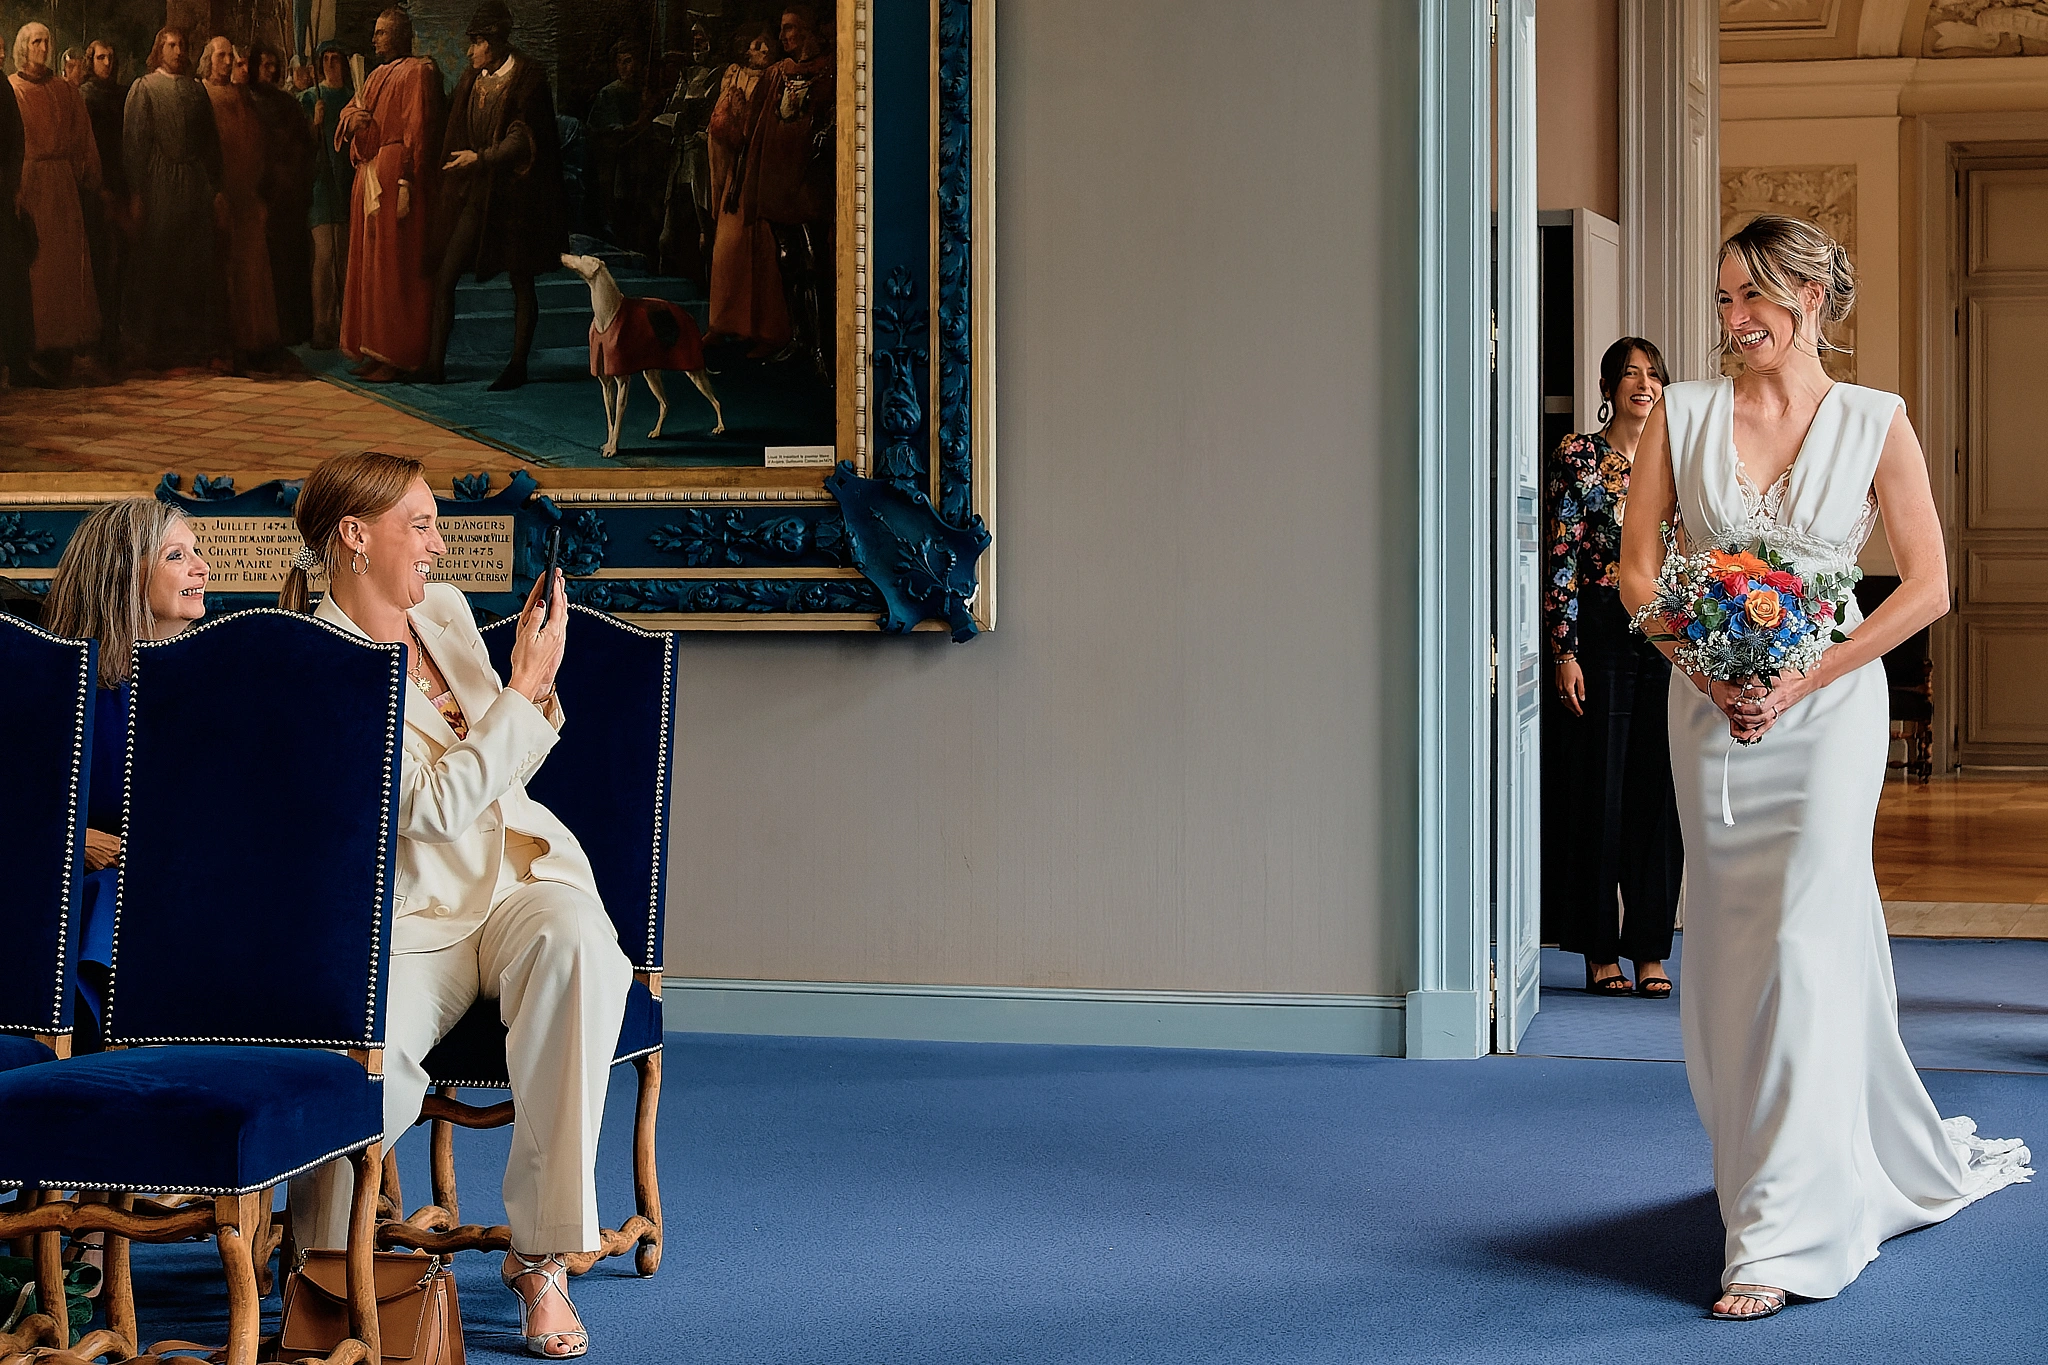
(900,544)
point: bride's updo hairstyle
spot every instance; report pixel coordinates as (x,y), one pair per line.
(362,486)
(1785,254)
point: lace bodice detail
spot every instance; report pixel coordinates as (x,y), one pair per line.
(1818,513)
(1763,519)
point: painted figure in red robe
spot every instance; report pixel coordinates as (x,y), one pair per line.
(787,182)
(60,162)
(252,300)
(392,129)
(746,284)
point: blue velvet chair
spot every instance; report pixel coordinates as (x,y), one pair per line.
(608,781)
(46,693)
(245,1011)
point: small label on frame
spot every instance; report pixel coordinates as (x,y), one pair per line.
(782,457)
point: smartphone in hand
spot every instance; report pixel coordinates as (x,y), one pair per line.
(547,575)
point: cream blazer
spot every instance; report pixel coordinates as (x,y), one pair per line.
(458,798)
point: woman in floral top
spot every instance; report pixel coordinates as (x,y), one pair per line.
(1611,815)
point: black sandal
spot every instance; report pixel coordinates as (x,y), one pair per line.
(1654,987)
(1618,984)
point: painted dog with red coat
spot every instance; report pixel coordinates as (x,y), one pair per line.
(639,336)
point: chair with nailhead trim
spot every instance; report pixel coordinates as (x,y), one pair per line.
(46,693)
(608,781)
(245,1010)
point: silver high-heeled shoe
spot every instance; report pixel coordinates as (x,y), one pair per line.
(551,1270)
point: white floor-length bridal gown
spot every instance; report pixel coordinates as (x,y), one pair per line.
(1825,1142)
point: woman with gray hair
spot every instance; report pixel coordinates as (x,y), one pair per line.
(131,572)
(1825,1141)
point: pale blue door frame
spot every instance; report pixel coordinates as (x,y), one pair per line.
(1450,1012)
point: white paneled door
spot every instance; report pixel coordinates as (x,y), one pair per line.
(1517,534)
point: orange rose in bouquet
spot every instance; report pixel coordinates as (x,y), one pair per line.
(1764,607)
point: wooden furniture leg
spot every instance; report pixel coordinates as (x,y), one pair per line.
(22,1203)
(441,1140)
(362,1246)
(646,1178)
(236,1229)
(392,1203)
(119,1290)
(49,1257)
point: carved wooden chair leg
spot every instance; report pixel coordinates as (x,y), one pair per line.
(49,1258)
(238,1220)
(441,1140)
(22,1203)
(646,1177)
(267,1246)
(362,1245)
(119,1293)
(392,1203)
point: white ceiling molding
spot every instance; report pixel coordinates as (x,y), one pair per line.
(1881,87)
(1780,18)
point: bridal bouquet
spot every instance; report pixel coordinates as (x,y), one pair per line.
(1745,614)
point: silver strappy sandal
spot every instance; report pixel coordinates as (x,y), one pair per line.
(576,1340)
(1772,1299)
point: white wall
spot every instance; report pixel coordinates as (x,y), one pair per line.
(1185,760)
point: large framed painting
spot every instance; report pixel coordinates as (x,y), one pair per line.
(708,287)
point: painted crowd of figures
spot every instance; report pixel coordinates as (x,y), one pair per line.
(227,206)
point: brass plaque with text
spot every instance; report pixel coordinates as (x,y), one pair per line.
(246,554)
(253,554)
(479,557)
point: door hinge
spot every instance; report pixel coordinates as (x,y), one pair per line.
(1492,340)
(1492,22)
(1492,995)
(1492,667)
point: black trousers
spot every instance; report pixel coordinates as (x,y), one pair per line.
(456,262)
(1610,816)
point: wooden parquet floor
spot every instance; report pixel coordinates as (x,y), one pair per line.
(265,426)
(1963,858)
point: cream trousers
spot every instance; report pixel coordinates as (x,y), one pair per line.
(550,957)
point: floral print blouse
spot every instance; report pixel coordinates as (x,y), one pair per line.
(1585,490)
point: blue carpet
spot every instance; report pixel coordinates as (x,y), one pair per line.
(1964,1005)
(557,419)
(837,1201)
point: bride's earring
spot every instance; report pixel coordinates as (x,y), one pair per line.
(360,563)
(1606,413)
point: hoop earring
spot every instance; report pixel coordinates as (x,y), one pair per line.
(360,564)
(1606,413)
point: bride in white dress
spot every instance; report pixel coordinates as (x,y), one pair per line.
(1825,1142)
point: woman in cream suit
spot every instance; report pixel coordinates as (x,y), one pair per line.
(495,897)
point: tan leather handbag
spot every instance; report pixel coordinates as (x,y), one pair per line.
(417,1314)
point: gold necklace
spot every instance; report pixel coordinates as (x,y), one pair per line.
(419,652)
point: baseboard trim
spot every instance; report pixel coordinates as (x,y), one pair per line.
(1352,1025)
